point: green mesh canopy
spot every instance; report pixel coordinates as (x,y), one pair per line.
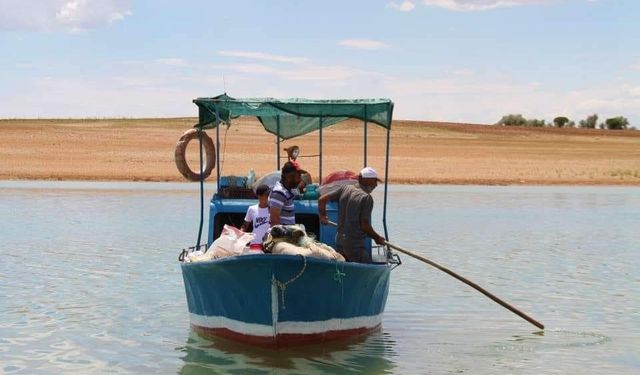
(289,118)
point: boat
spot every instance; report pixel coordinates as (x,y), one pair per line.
(280,300)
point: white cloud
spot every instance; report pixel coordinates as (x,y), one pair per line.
(608,101)
(462,72)
(104,97)
(405,6)
(307,72)
(67,15)
(475,98)
(130,62)
(302,70)
(472,5)
(323,73)
(263,56)
(479,99)
(172,61)
(252,69)
(634,91)
(456,86)
(635,67)
(363,44)
(24,65)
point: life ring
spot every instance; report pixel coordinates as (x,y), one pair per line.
(209,155)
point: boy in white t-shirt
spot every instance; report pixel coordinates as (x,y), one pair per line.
(258,217)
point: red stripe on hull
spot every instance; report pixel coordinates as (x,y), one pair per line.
(283,339)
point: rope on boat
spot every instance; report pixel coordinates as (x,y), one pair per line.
(339,275)
(283,286)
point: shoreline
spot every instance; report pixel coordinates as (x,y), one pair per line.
(392,181)
(424,153)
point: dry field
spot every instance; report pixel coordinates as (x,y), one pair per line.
(422,152)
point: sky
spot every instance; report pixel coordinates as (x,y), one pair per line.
(438,60)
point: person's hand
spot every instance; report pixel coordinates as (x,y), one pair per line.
(380,240)
(324,219)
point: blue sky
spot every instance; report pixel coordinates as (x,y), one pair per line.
(440,60)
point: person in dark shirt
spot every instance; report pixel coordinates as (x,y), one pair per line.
(354,216)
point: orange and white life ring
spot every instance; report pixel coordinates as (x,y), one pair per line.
(209,155)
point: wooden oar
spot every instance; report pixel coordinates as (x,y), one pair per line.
(464,280)
(470,283)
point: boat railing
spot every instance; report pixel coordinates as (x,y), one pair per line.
(186,251)
(382,254)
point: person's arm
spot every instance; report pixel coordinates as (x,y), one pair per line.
(274,215)
(322,205)
(248,219)
(365,225)
(276,202)
(245,226)
(368,229)
(322,209)
(301,186)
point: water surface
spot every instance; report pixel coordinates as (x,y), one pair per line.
(90,284)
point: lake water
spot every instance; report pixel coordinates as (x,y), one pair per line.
(90,283)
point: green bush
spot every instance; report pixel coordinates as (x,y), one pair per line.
(590,122)
(535,123)
(512,120)
(617,123)
(560,121)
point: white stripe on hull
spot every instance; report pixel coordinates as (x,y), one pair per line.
(231,324)
(330,325)
(303,328)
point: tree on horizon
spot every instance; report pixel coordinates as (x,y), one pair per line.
(512,120)
(590,122)
(560,121)
(617,123)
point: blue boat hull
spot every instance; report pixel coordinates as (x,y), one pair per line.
(281,300)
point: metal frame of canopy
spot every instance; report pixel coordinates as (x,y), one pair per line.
(211,117)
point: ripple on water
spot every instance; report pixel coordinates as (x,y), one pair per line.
(90,284)
(369,354)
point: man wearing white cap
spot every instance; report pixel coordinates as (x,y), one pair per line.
(354,216)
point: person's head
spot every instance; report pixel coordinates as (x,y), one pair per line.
(262,192)
(368,179)
(290,175)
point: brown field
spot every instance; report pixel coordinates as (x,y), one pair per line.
(422,152)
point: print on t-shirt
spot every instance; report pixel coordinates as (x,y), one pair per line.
(259,217)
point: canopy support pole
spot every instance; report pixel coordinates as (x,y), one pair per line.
(365,136)
(201,192)
(386,185)
(278,139)
(320,158)
(218,155)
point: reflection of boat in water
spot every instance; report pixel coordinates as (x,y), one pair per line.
(280,300)
(363,354)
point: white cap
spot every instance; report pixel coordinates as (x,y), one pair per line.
(368,172)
